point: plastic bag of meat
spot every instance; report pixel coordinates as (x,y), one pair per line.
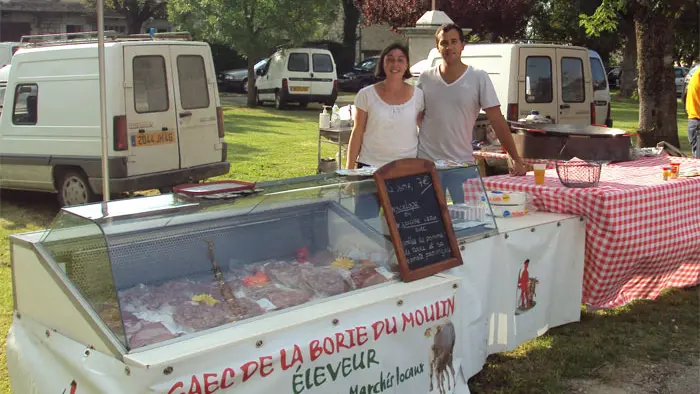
(326,281)
(149,333)
(276,297)
(367,276)
(284,273)
(196,316)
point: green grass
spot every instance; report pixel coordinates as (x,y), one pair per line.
(265,144)
(625,115)
(644,331)
(268,144)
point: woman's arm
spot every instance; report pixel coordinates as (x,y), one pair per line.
(355,143)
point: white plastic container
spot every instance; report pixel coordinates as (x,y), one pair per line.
(324,119)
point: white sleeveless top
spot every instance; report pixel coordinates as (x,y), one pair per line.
(392,130)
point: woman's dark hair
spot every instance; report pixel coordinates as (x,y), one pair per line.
(447,27)
(379,72)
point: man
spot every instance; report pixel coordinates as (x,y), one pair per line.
(692,107)
(454,95)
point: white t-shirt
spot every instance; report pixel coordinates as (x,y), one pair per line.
(392,130)
(451,112)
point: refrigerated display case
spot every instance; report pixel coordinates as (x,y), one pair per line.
(129,277)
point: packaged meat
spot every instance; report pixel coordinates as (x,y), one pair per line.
(284,273)
(150,333)
(196,316)
(326,281)
(275,297)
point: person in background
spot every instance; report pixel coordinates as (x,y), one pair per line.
(386,121)
(454,95)
(692,107)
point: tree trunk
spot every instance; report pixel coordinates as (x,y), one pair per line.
(252,102)
(628,78)
(350,22)
(657,88)
(133,24)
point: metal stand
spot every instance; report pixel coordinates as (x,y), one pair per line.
(339,136)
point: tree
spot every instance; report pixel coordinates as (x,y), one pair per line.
(598,24)
(654,28)
(396,13)
(350,22)
(555,20)
(136,12)
(252,27)
(495,21)
(686,38)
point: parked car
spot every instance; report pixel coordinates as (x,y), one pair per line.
(417,69)
(601,90)
(237,80)
(555,80)
(680,73)
(165,123)
(298,75)
(686,81)
(361,75)
(614,75)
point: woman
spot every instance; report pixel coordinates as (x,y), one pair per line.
(387,115)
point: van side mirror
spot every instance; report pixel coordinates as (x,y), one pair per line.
(259,72)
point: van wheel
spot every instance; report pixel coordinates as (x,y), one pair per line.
(74,189)
(279,101)
(245,86)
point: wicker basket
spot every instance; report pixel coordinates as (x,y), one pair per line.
(579,173)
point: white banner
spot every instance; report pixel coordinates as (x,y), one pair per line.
(506,301)
(404,343)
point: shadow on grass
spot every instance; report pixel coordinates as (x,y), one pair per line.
(646,330)
(240,152)
(22,209)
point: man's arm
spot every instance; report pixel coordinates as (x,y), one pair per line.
(504,135)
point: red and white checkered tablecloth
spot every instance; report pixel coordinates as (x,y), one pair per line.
(643,233)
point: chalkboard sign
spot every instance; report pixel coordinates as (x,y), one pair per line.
(416,213)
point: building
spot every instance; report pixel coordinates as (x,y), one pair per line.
(25,17)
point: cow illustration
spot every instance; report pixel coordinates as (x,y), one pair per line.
(441,356)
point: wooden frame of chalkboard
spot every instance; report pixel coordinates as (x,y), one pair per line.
(419,223)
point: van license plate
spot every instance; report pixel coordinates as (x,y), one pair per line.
(299,89)
(149,139)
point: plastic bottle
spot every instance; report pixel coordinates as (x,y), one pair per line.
(335,117)
(324,119)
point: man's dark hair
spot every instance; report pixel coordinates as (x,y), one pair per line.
(447,27)
(379,72)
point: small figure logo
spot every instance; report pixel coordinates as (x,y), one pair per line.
(526,290)
(441,356)
(73,388)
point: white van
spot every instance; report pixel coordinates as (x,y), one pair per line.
(554,80)
(298,75)
(165,122)
(601,90)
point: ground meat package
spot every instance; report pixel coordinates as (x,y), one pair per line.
(327,281)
